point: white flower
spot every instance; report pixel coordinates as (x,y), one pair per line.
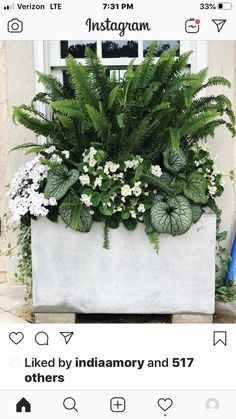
(222,182)
(85,169)
(91,212)
(156,171)
(133,164)
(141,208)
(111,167)
(212,190)
(130,164)
(66,153)
(133,214)
(126,191)
(92,162)
(24,195)
(136,189)
(98,181)
(50,150)
(84,180)
(52,202)
(89,156)
(86,200)
(55,158)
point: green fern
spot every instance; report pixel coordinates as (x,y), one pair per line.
(106,241)
(154,239)
(156,105)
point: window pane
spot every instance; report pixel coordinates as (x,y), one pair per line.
(162,46)
(118,49)
(76,48)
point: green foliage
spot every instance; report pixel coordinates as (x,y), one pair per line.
(197,212)
(155,106)
(154,240)
(130,224)
(195,188)
(59,182)
(74,214)
(173,216)
(24,272)
(174,161)
(106,241)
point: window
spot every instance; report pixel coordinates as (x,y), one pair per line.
(115,55)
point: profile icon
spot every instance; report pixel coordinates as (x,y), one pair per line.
(212,404)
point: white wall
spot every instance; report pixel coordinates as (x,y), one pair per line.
(17,86)
(222,62)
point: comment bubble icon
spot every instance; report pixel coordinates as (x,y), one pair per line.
(42,339)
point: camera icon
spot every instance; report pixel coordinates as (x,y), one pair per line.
(15,26)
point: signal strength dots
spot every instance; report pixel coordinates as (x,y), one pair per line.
(9,6)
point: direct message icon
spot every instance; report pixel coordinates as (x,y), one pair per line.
(165,404)
(67,336)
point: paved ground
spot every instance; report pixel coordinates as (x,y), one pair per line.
(13,306)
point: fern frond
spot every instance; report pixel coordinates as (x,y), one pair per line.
(40,127)
(98,73)
(154,239)
(82,82)
(69,107)
(196,122)
(106,241)
(99,120)
(155,181)
(52,85)
(113,96)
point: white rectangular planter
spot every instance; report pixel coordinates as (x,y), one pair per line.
(73,273)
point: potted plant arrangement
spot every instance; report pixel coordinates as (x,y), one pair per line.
(124,163)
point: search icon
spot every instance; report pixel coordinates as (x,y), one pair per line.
(70,404)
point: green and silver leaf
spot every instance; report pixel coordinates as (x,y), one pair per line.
(197,212)
(74,214)
(195,188)
(59,181)
(174,161)
(173,216)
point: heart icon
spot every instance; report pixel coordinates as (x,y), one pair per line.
(16,337)
(165,404)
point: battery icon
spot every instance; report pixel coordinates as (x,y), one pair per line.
(225,6)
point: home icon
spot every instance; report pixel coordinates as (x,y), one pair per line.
(23,406)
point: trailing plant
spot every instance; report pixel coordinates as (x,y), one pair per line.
(123,152)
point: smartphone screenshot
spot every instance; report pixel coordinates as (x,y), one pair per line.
(117,209)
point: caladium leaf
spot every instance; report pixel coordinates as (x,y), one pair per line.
(59,181)
(195,188)
(174,161)
(75,214)
(173,216)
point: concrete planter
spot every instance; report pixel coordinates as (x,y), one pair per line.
(72,273)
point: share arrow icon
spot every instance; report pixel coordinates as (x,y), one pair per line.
(67,336)
(220,23)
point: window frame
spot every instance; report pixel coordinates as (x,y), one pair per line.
(48,57)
